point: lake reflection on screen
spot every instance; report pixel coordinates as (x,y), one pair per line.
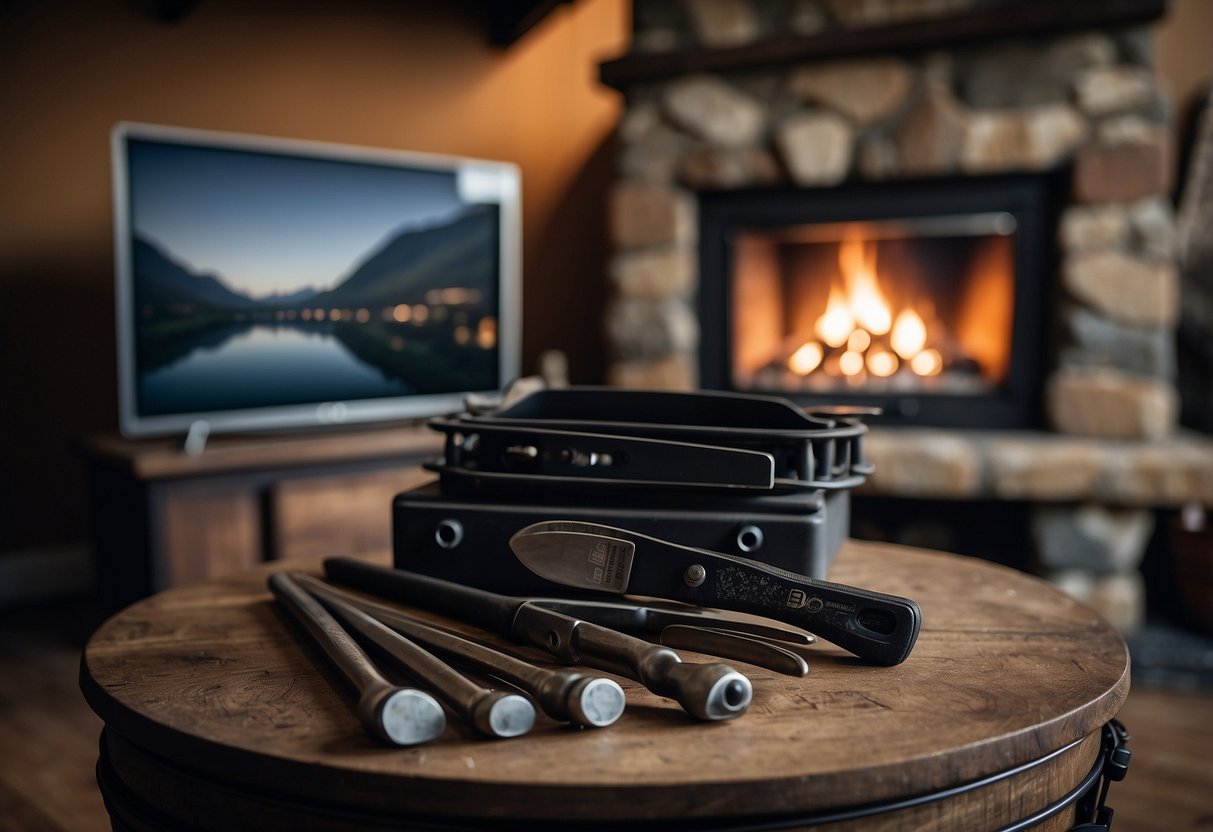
(265,366)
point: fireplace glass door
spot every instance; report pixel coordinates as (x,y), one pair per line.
(932,314)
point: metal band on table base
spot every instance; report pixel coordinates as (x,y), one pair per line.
(128,811)
(1111,764)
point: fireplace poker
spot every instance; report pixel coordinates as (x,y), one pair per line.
(494,713)
(399,715)
(566,695)
(709,692)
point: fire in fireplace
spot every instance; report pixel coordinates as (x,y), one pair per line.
(919,305)
(907,297)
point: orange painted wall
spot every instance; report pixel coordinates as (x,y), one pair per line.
(384,73)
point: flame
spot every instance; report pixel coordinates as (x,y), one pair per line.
(927,363)
(857,262)
(868,331)
(806,359)
(882,363)
(835,324)
(850,363)
(909,334)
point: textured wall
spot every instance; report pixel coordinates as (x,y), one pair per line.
(416,76)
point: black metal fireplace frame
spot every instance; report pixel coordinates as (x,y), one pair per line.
(1034,200)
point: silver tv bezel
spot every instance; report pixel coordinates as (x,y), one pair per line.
(493,181)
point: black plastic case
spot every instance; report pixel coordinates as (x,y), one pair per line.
(465,537)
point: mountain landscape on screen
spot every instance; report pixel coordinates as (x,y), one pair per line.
(419,310)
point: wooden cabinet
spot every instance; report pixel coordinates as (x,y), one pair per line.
(163,518)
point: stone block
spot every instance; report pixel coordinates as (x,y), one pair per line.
(864,91)
(1168,473)
(1032,138)
(715,111)
(878,157)
(1152,223)
(641,329)
(1114,89)
(1110,404)
(1077,583)
(1120,599)
(722,23)
(1021,74)
(854,13)
(654,273)
(923,463)
(676,372)
(656,157)
(816,147)
(1009,75)
(806,17)
(1043,468)
(932,135)
(659,14)
(647,214)
(638,121)
(1087,227)
(1136,45)
(652,41)
(1091,537)
(1128,128)
(1124,287)
(1099,342)
(713,167)
(1123,172)
(1072,53)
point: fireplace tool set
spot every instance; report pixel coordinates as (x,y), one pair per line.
(542,507)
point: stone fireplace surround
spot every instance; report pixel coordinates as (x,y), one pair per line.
(707,107)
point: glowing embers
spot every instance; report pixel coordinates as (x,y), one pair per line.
(881,307)
(857,336)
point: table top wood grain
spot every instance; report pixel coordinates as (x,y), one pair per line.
(1007,669)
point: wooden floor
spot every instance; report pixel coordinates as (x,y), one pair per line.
(48,738)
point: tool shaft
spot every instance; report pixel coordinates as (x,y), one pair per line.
(593,701)
(494,713)
(399,715)
(488,609)
(707,691)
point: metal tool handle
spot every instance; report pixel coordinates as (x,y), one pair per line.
(591,701)
(710,692)
(404,716)
(875,626)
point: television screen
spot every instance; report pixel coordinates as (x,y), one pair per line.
(271,283)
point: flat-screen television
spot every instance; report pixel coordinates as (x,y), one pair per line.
(266,283)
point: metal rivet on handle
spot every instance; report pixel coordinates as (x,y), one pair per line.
(695,575)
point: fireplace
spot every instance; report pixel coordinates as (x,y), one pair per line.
(920,142)
(881,127)
(923,300)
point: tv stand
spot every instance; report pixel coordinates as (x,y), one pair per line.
(196,436)
(163,516)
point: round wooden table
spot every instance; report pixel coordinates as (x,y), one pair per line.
(218,717)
